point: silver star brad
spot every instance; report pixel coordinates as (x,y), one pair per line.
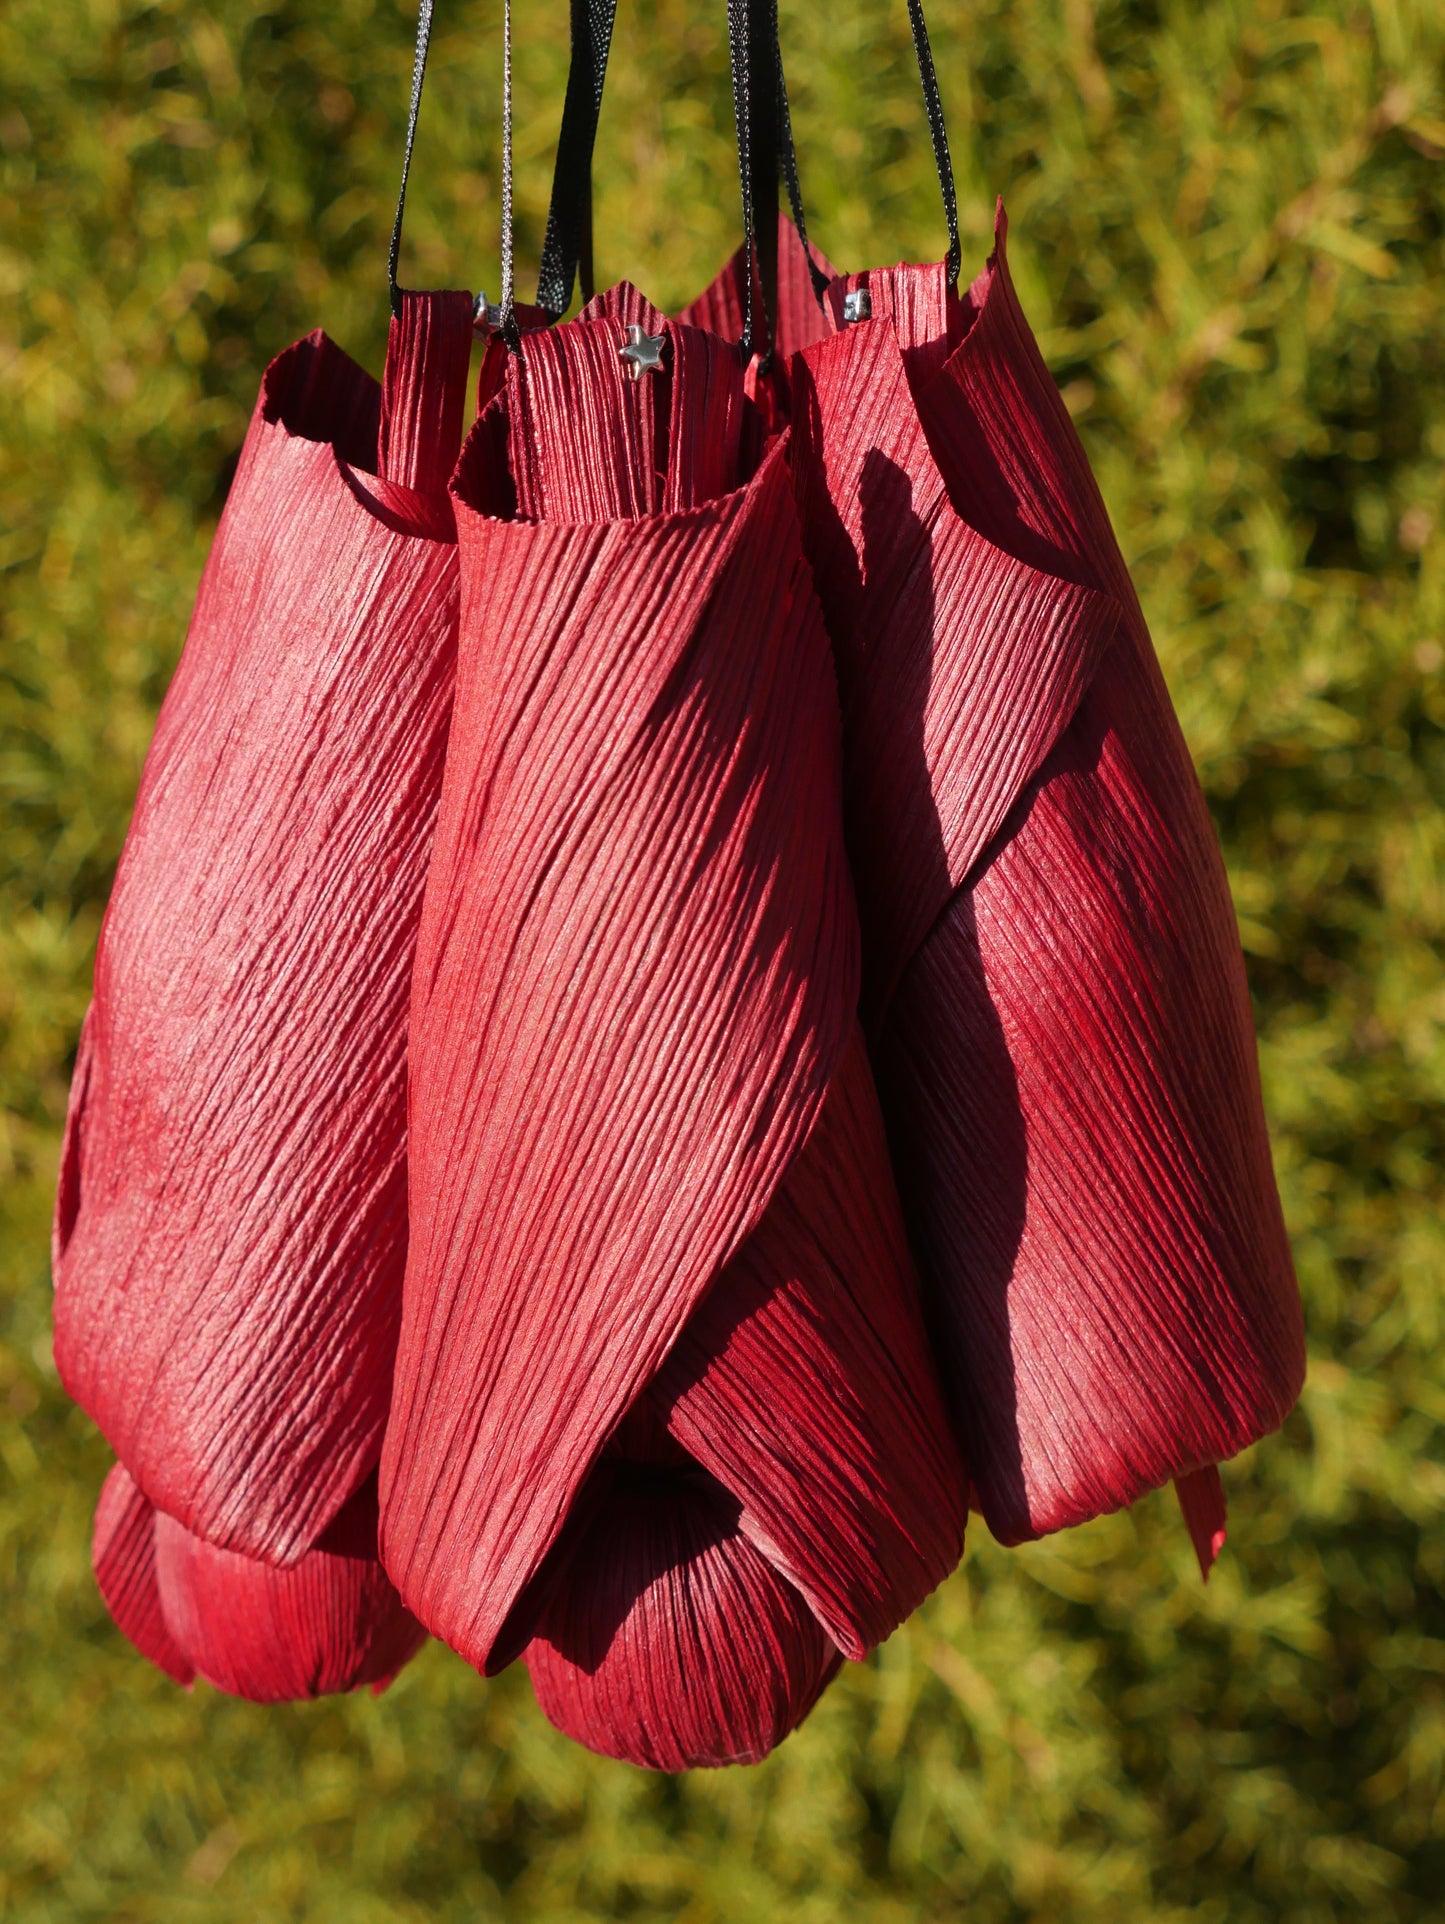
(642,352)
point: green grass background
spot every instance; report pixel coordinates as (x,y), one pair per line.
(1227,227)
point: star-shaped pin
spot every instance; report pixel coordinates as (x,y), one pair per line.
(642,352)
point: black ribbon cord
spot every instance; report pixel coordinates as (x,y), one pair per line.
(418,75)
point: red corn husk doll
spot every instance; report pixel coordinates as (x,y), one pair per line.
(230,1230)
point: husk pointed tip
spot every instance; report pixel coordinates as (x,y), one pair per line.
(1203,1503)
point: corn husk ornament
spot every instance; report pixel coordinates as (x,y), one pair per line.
(665,1422)
(1053,987)
(477,1213)
(230,1232)
(1053,983)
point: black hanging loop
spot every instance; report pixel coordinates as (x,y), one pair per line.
(789,157)
(738,60)
(753,49)
(567,245)
(933,106)
(511,333)
(418,74)
(764,67)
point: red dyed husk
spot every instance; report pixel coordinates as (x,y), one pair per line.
(230,1230)
(1053,983)
(331,1622)
(664,1418)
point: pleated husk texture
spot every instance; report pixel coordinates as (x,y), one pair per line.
(665,1422)
(330,1622)
(1053,983)
(230,1231)
(664,1418)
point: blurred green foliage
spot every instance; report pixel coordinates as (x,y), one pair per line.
(1227,225)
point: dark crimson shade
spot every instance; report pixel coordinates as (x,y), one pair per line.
(664,1418)
(1053,984)
(666,1627)
(230,1232)
(123,1556)
(329,1623)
